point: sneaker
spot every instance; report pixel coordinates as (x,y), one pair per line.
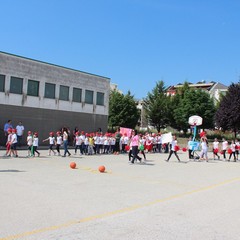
(38,154)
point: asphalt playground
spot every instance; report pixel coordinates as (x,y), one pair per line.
(42,198)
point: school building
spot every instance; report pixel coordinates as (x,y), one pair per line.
(46,97)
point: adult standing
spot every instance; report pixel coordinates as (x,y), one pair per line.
(65,142)
(20,132)
(135,144)
(7,125)
(204,146)
(117,142)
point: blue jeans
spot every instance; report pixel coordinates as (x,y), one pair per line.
(65,145)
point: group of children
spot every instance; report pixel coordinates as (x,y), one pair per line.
(99,143)
(223,148)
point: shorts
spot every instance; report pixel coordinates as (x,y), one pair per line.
(14,146)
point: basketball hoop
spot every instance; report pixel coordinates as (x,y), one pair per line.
(195,121)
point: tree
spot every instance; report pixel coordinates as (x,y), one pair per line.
(175,102)
(156,105)
(194,102)
(123,110)
(227,115)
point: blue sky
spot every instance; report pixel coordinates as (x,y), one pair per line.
(134,42)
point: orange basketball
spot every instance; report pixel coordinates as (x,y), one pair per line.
(101,169)
(73,165)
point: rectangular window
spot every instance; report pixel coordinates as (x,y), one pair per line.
(64,93)
(89,97)
(100,98)
(16,85)
(77,95)
(49,90)
(33,88)
(2,83)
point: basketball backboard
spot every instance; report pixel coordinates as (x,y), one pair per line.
(195,120)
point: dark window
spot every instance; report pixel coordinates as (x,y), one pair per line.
(89,97)
(64,93)
(33,88)
(77,95)
(100,98)
(49,90)
(16,85)
(2,83)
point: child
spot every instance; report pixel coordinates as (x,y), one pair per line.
(190,151)
(91,144)
(141,146)
(130,156)
(106,144)
(8,143)
(215,149)
(233,152)
(224,148)
(78,142)
(112,144)
(58,142)
(35,144)
(29,143)
(173,149)
(51,140)
(237,148)
(86,144)
(204,146)
(14,143)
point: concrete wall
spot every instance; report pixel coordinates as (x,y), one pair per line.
(43,120)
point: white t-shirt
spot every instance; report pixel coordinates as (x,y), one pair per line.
(20,129)
(14,138)
(35,141)
(59,140)
(29,140)
(204,146)
(224,145)
(51,140)
(233,147)
(78,140)
(106,141)
(86,142)
(215,145)
(173,143)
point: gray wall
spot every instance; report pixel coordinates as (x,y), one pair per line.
(43,121)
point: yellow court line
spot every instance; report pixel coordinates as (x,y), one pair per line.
(118,211)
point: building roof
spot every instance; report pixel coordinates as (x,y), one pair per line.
(202,85)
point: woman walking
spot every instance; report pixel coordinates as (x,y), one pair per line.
(65,142)
(135,144)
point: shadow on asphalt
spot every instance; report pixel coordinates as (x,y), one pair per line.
(11,170)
